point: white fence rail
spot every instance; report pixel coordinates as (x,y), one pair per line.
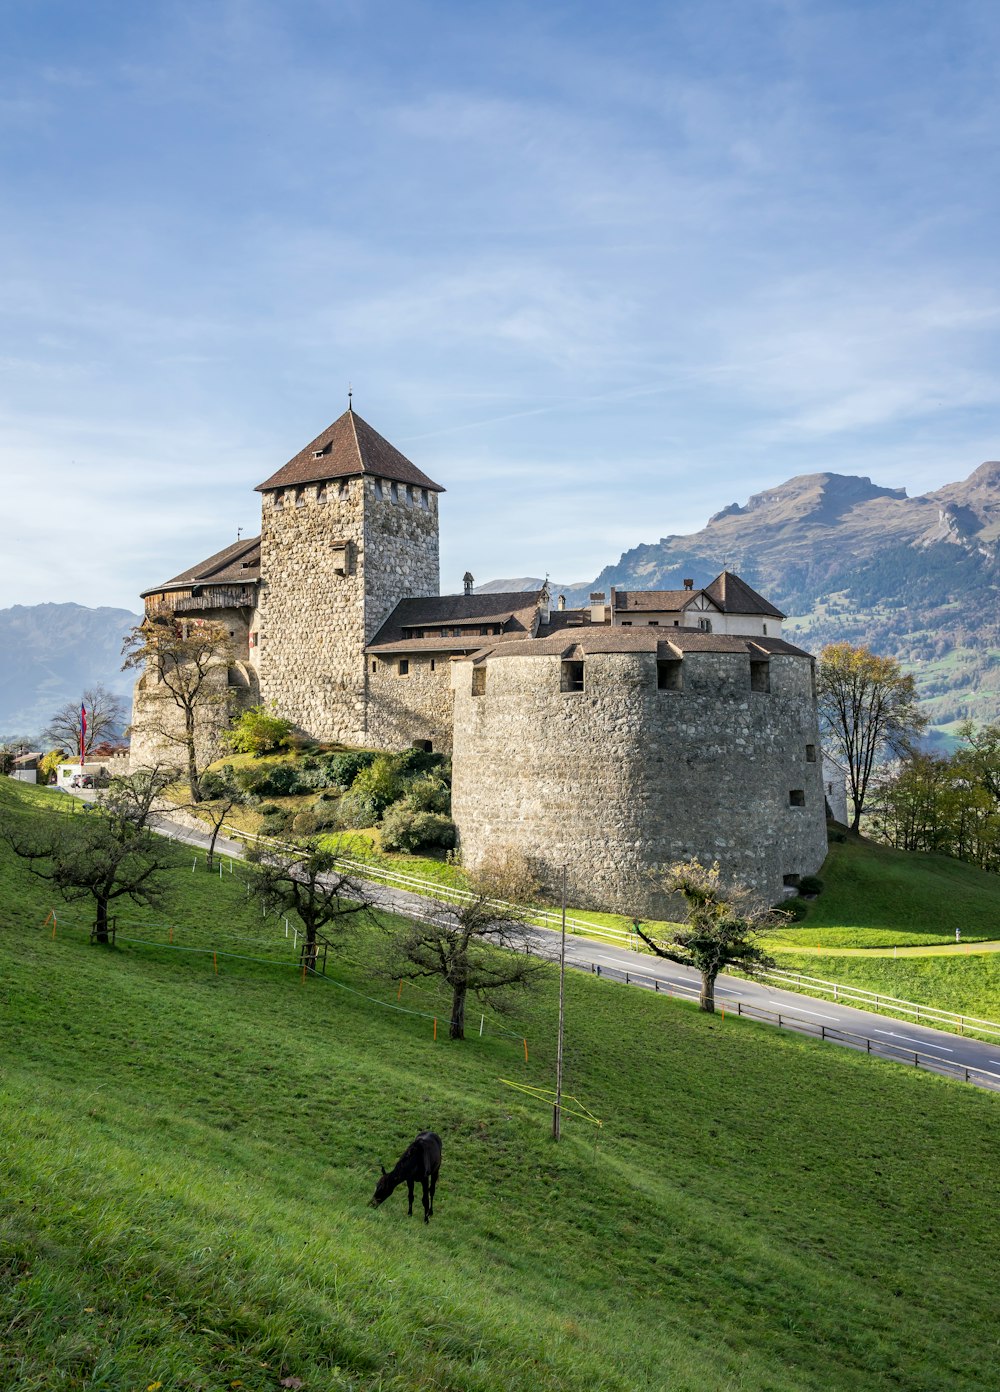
(877,1001)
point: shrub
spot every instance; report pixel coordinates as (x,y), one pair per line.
(428,794)
(305,823)
(275,824)
(794,910)
(380,783)
(258,731)
(810,886)
(342,769)
(271,809)
(356,812)
(404,829)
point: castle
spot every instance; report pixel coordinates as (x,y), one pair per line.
(646,728)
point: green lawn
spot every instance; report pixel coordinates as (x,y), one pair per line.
(875,896)
(969,985)
(188,1158)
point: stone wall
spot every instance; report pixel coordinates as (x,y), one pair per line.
(335,561)
(417,706)
(157,732)
(622,776)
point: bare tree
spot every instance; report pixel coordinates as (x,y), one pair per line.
(720,928)
(478,947)
(220,794)
(105,720)
(868,711)
(190,660)
(306,879)
(104,854)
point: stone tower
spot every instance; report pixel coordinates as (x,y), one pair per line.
(349,527)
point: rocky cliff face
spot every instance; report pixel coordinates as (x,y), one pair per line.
(50,652)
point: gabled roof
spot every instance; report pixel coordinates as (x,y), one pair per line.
(664,642)
(734,596)
(238,564)
(515,611)
(347,448)
(667,601)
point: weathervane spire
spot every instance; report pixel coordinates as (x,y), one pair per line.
(350,394)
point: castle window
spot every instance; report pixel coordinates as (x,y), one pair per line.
(571,677)
(279,501)
(810,753)
(654,623)
(374,664)
(344,491)
(404,667)
(790,881)
(409,495)
(479,681)
(764,626)
(394,492)
(425,746)
(253,639)
(797,798)
(760,675)
(321,493)
(433,665)
(423,498)
(705,625)
(626,623)
(378,489)
(670,674)
(300,497)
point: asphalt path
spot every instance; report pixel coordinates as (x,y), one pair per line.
(882,1035)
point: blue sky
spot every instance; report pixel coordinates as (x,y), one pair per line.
(599,269)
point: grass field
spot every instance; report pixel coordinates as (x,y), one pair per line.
(188,1158)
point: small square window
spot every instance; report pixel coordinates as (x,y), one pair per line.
(760,676)
(404,667)
(797,798)
(571,677)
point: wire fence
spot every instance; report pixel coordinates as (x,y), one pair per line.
(917,1057)
(884,1004)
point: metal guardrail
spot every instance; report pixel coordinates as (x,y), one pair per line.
(834,1034)
(877,1001)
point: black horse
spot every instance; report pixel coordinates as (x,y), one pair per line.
(419,1161)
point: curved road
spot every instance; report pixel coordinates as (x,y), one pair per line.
(882,1035)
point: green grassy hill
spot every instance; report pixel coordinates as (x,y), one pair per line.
(188,1158)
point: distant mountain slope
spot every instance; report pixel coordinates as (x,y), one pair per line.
(51,652)
(916,578)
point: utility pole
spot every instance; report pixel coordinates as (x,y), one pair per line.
(557,1109)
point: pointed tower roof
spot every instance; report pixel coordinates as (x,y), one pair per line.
(345,449)
(734,596)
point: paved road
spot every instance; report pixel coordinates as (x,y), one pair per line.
(889,1037)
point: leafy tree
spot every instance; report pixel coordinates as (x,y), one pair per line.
(478,947)
(104,854)
(868,712)
(50,762)
(190,660)
(258,731)
(105,720)
(308,881)
(720,927)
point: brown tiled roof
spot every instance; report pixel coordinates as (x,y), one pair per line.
(603,638)
(458,646)
(345,449)
(238,564)
(515,610)
(669,600)
(727,592)
(734,596)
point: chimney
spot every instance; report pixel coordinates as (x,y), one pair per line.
(597,609)
(544,603)
(689,584)
(562,602)
(468,581)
